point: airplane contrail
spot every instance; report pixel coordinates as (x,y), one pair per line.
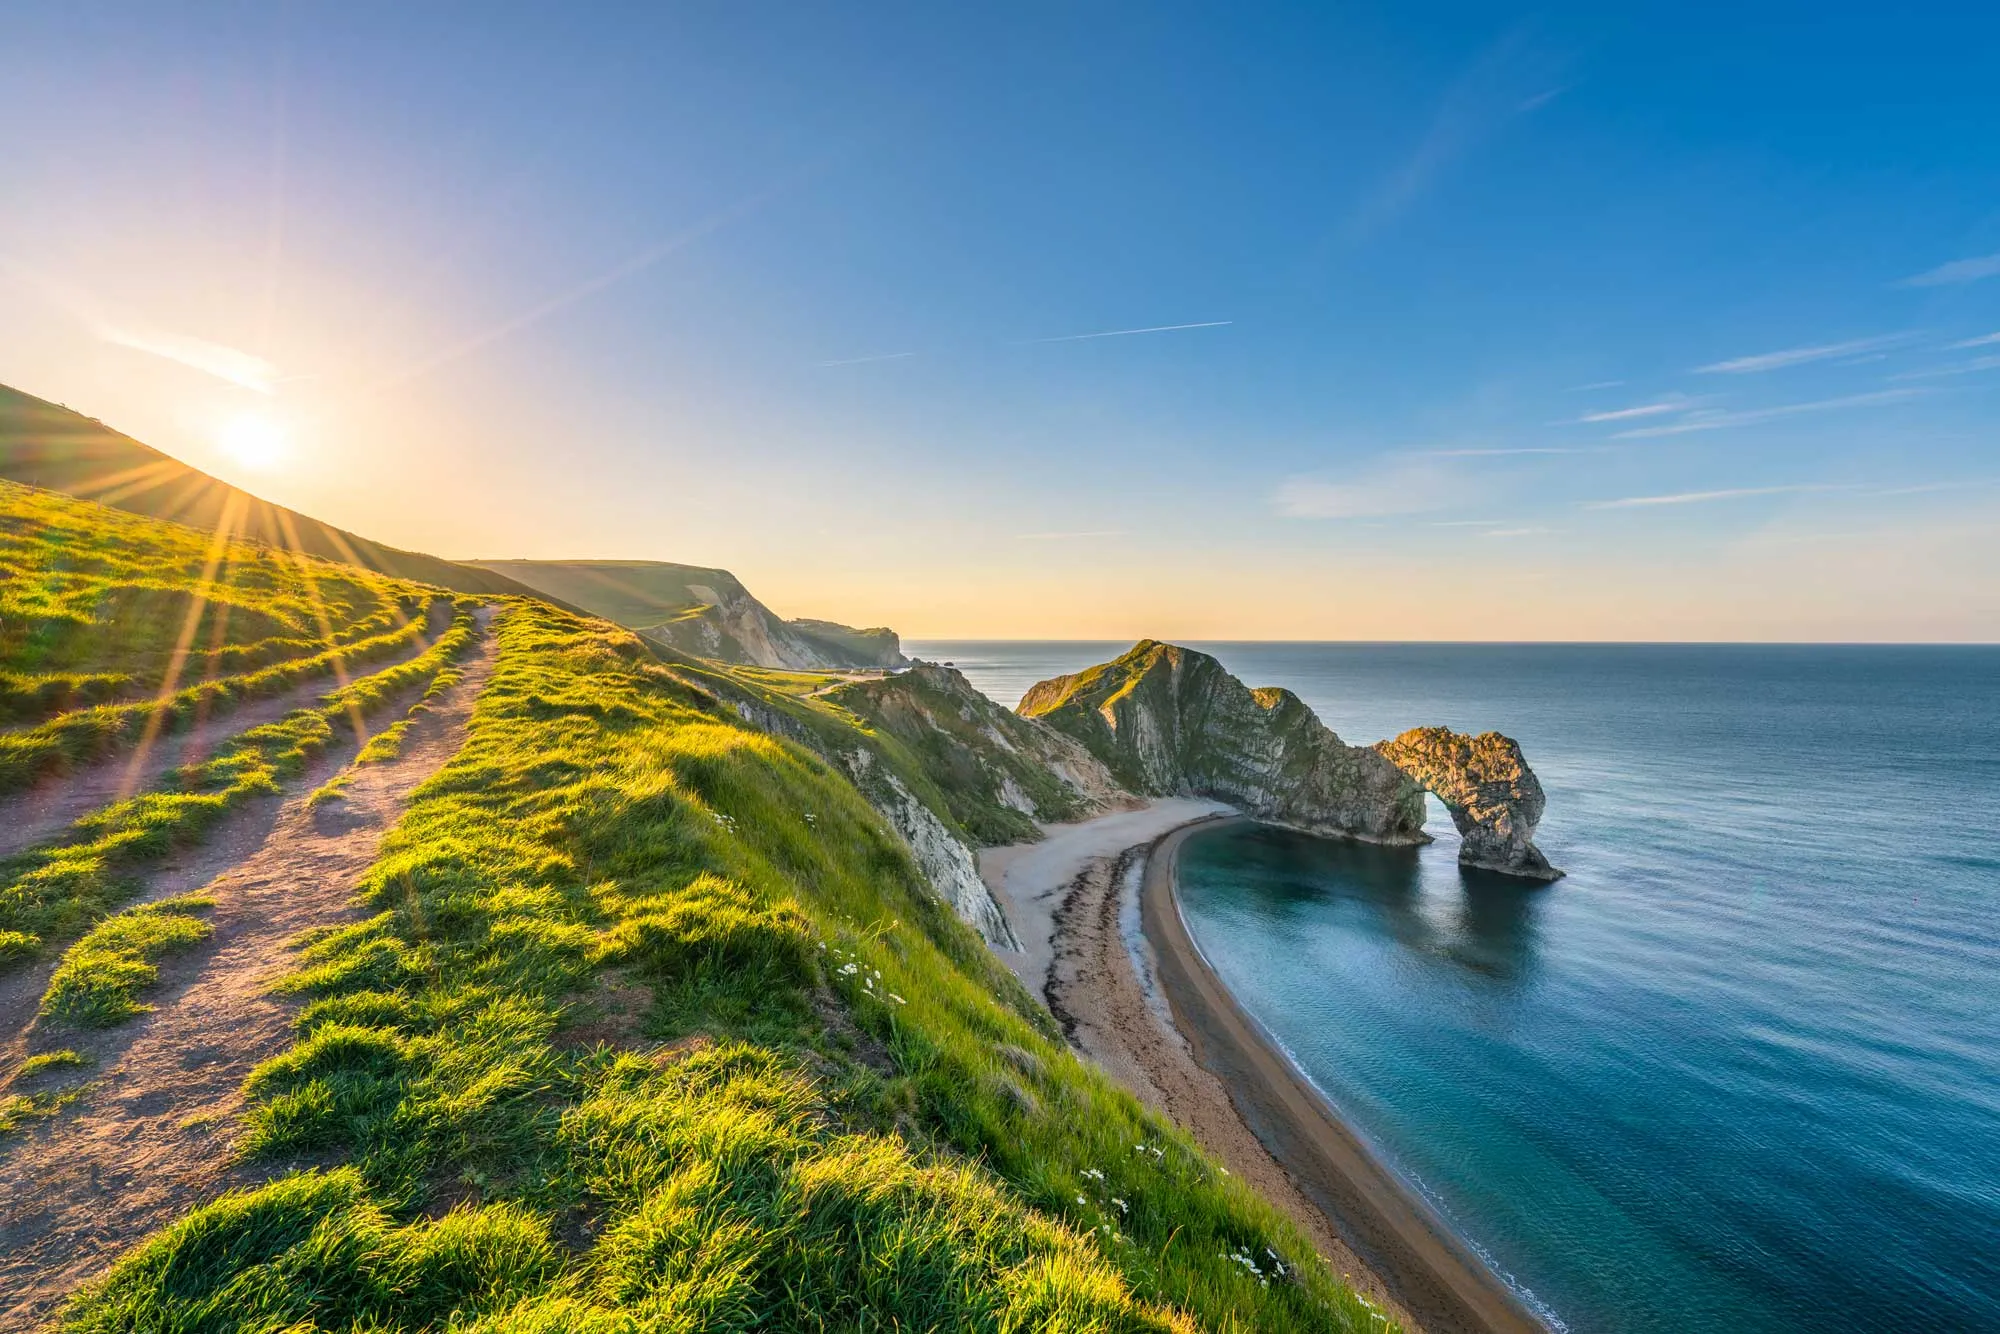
(1120,333)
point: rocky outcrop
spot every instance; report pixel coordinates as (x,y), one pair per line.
(1493,796)
(941,853)
(1169,721)
(998,772)
(946,861)
(877,646)
(705,613)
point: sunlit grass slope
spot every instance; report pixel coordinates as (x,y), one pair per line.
(652,1025)
(47,445)
(116,631)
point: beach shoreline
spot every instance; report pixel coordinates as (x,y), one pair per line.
(1106,948)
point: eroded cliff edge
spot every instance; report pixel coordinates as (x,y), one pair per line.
(1171,721)
(1493,796)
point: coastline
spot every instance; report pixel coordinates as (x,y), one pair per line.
(1395,1231)
(1105,947)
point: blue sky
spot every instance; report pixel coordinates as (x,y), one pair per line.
(1509,323)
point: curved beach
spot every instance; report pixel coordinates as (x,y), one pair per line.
(1107,949)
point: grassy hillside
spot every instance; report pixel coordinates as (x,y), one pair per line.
(655,1026)
(46,445)
(117,632)
(703,612)
(634,593)
(998,772)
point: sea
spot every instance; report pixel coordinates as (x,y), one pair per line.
(1740,1069)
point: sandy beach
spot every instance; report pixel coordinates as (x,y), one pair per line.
(1105,947)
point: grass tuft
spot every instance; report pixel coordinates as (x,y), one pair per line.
(98,982)
(46,1061)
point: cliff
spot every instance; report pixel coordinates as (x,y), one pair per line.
(1168,721)
(1493,796)
(893,779)
(705,612)
(999,772)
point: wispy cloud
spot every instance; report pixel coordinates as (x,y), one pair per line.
(1597,384)
(629,267)
(1984,340)
(1393,486)
(123,328)
(1502,453)
(1702,497)
(1126,333)
(1510,78)
(1925,488)
(1958,271)
(1716,421)
(1066,536)
(224,363)
(1638,410)
(1799,356)
(1966,367)
(863,361)
(1490,527)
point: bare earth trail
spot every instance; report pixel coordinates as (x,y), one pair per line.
(151,1135)
(56,802)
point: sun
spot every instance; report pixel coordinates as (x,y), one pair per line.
(256,442)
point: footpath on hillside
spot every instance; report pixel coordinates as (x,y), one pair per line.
(151,1134)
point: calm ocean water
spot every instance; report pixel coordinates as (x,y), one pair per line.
(1741,1070)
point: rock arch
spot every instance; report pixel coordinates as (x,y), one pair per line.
(1493,796)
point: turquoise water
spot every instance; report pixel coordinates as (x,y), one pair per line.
(1741,1070)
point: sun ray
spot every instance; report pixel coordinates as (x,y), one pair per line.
(218,547)
(308,575)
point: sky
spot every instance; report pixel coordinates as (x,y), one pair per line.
(1462,322)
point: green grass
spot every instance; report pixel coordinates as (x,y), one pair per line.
(17,1109)
(112,626)
(55,892)
(62,1059)
(839,1112)
(949,730)
(98,982)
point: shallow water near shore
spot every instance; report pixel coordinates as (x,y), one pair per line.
(1742,1068)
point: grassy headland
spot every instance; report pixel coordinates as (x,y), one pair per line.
(656,1026)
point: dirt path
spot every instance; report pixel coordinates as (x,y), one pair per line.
(151,1135)
(57,801)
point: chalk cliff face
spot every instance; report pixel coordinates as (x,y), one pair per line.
(704,612)
(999,772)
(1168,721)
(1493,796)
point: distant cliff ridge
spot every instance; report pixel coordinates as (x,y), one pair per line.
(704,612)
(1169,721)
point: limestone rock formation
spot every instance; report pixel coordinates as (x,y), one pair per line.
(999,773)
(703,612)
(1169,721)
(1493,796)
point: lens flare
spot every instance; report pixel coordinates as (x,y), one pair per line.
(256,442)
